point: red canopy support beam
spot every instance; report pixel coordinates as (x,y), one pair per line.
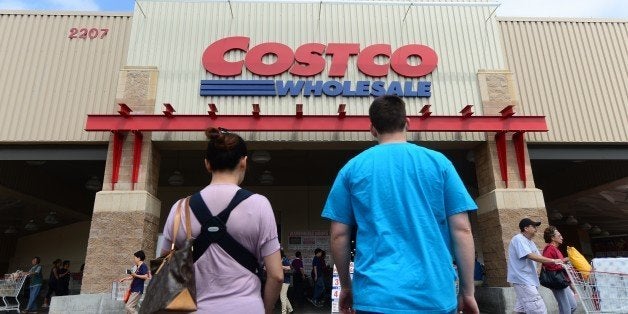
(299,111)
(256,111)
(518,141)
(309,123)
(137,156)
(118,138)
(500,141)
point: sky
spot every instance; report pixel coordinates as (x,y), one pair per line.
(523,8)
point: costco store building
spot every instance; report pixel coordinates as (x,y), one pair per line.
(102,114)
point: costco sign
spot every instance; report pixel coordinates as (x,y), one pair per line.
(309,60)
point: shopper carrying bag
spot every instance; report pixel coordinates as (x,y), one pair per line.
(173,284)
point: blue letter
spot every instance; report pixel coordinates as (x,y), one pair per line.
(332,88)
(377,89)
(289,86)
(394,89)
(346,89)
(425,89)
(362,88)
(407,90)
(317,89)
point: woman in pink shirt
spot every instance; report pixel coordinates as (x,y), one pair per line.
(564,297)
(222,284)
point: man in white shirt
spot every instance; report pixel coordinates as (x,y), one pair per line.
(522,253)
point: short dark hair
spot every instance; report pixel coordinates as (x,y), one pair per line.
(38,259)
(66,263)
(140,254)
(388,114)
(317,250)
(224,149)
(549,233)
(297,254)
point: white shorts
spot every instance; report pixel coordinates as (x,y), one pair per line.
(528,300)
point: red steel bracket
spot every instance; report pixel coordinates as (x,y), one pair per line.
(212,110)
(137,156)
(519,142)
(124,111)
(508,111)
(425,111)
(500,140)
(169,110)
(341,111)
(467,111)
(118,138)
(256,111)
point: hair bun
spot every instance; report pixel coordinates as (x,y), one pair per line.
(213,134)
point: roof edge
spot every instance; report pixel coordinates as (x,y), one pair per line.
(64,13)
(559,19)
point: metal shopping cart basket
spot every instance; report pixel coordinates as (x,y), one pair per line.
(600,292)
(10,287)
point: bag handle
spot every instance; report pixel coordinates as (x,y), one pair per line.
(177,222)
(183,205)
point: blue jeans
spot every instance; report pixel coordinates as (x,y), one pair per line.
(319,286)
(32,296)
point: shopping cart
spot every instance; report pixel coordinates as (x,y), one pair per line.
(600,292)
(10,287)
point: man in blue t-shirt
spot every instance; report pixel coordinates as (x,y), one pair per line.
(408,207)
(137,285)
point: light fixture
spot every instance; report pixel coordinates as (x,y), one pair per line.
(260,156)
(51,218)
(595,230)
(605,233)
(556,215)
(585,226)
(31,225)
(266,178)
(10,230)
(93,184)
(571,220)
(176,179)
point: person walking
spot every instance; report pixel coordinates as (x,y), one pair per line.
(564,297)
(317,278)
(298,277)
(35,285)
(223,285)
(138,277)
(52,282)
(522,253)
(408,207)
(286,306)
(63,281)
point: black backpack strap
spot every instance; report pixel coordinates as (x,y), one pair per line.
(214,230)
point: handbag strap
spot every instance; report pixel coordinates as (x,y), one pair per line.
(183,205)
(214,230)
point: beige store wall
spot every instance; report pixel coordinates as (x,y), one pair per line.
(66,243)
(573,71)
(50,82)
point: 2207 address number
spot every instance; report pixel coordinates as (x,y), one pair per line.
(85,33)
